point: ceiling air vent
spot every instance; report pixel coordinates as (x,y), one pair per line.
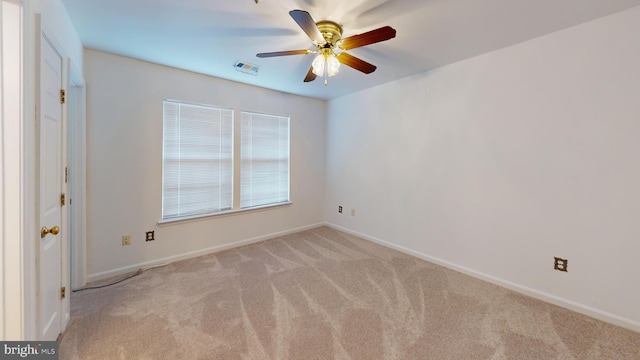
(246,67)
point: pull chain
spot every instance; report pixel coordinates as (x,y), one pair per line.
(326,70)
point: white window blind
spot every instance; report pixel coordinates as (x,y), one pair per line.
(264,154)
(197,171)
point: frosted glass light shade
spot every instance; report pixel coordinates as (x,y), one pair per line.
(333,65)
(318,65)
(328,64)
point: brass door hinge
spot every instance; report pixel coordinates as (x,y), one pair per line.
(62,96)
(62,198)
(63,292)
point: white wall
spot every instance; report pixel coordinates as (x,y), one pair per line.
(496,164)
(124,163)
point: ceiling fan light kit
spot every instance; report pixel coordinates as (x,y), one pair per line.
(325,64)
(326,36)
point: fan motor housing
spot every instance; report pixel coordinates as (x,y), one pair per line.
(331,31)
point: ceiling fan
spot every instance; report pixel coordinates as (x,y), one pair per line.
(327,36)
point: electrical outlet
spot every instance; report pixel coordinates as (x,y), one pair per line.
(353,212)
(126,240)
(340,209)
(150,236)
(560,264)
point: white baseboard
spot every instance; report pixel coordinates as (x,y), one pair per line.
(540,295)
(192,254)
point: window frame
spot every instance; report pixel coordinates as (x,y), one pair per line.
(204,213)
(236,163)
(288,171)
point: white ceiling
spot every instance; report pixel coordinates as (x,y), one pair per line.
(209,36)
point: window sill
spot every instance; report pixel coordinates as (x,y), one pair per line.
(167,222)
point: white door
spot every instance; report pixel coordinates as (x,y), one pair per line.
(51,182)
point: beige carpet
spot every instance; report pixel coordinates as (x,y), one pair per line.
(323,294)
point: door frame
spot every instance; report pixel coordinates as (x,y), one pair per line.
(13,324)
(77,184)
(19,222)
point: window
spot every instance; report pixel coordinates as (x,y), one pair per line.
(199,155)
(197,160)
(264,154)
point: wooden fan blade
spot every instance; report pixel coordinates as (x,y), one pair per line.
(370,37)
(283,53)
(305,21)
(356,63)
(310,75)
